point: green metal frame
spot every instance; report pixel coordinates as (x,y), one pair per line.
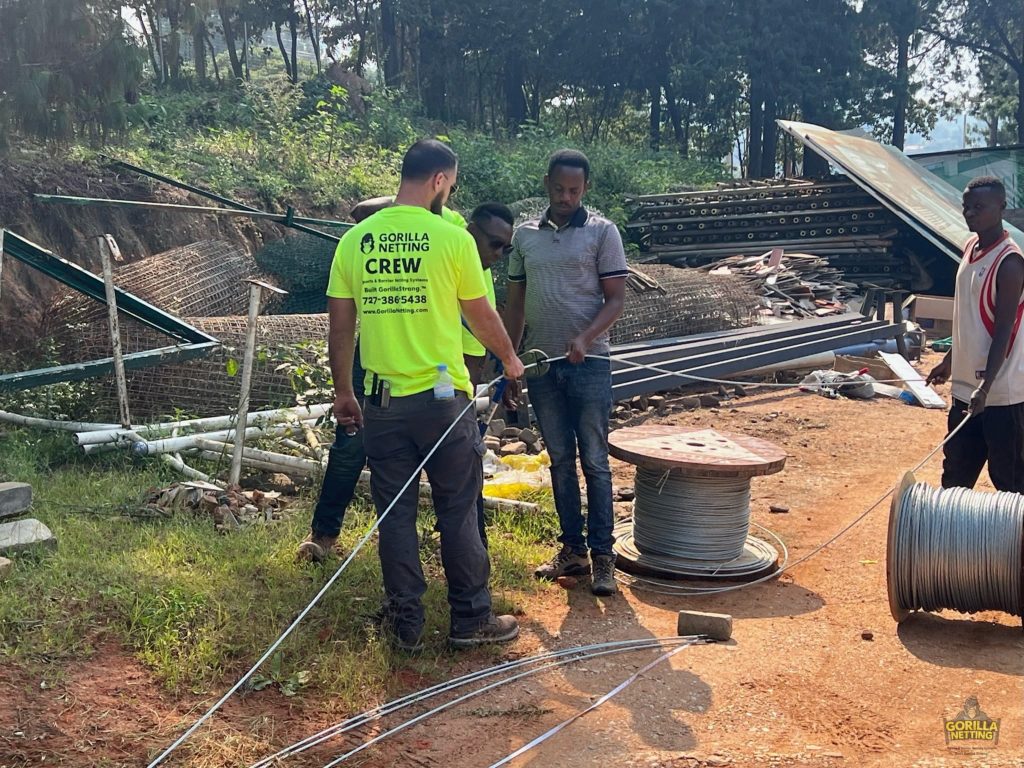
(219,198)
(192,342)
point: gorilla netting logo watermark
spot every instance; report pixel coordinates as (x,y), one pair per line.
(971,728)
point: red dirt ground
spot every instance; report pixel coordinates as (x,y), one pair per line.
(797,686)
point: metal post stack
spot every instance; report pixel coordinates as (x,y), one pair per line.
(835,220)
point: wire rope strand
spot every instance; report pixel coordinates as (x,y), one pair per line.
(958,549)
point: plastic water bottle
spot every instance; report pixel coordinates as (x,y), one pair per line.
(444,387)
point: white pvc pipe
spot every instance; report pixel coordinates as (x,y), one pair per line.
(106,433)
(83,427)
(185,469)
(267,466)
(173,444)
(283,459)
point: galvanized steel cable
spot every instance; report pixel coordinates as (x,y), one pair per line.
(663,587)
(569,721)
(690,518)
(376,713)
(959,549)
(686,642)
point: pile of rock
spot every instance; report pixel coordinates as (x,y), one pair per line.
(512,441)
(231,509)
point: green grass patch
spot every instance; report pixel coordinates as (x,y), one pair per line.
(196,607)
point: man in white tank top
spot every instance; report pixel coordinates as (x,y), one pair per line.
(986,362)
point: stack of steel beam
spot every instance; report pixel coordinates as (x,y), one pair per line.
(727,353)
(835,220)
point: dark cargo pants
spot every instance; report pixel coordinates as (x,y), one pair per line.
(996,437)
(396,440)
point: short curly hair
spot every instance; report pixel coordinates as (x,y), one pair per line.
(989,182)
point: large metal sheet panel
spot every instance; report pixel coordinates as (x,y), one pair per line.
(921,199)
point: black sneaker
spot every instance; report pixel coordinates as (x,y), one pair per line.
(603,583)
(497,629)
(565,563)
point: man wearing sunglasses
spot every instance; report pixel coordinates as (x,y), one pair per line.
(490,224)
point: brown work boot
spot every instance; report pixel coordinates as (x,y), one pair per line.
(565,563)
(497,629)
(316,549)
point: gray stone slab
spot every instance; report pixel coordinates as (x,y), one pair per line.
(5,567)
(25,534)
(717,626)
(15,498)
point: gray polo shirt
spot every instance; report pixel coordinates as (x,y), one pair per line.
(563,269)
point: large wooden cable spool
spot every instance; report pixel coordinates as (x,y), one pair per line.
(691,515)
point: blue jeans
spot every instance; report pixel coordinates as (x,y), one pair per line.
(572,404)
(345,464)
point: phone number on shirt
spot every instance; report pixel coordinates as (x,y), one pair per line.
(402,298)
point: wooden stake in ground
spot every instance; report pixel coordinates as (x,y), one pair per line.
(108,253)
(256,289)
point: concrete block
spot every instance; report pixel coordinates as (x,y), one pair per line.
(529,437)
(15,498)
(25,534)
(5,567)
(496,427)
(717,626)
(513,449)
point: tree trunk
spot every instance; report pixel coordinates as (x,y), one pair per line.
(899,118)
(149,43)
(655,125)
(199,51)
(293,26)
(229,39)
(245,51)
(515,99)
(993,129)
(815,166)
(771,139)
(390,53)
(280,47)
(674,115)
(213,57)
(314,35)
(754,144)
(174,40)
(1020,106)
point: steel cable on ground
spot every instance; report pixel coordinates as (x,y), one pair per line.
(577,653)
(565,723)
(359,545)
(690,590)
(323,590)
(958,548)
(686,642)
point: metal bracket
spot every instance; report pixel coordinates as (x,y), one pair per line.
(536,363)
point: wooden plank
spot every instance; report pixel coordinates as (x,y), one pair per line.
(924,394)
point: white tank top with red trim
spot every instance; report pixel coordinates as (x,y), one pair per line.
(974,312)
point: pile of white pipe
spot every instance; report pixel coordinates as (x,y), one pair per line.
(211,439)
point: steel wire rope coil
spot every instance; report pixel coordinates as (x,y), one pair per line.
(703,519)
(955,548)
(691,516)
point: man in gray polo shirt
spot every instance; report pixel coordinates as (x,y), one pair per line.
(567,284)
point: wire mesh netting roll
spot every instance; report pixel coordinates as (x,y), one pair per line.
(206,387)
(204,279)
(685,302)
(301,265)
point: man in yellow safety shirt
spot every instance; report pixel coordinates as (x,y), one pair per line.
(406,275)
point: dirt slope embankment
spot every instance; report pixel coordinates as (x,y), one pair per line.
(70,231)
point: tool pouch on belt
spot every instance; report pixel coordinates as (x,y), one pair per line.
(380,392)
